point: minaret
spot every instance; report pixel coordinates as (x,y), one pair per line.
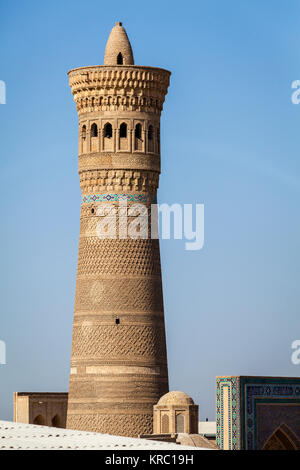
(119,360)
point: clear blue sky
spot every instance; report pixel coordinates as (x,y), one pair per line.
(230,140)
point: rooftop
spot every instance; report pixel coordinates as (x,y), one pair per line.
(18,436)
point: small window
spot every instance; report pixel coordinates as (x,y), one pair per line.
(94,130)
(83,132)
(117,321)
(93,211)
(108,130)
(165,424)
(138,131)
(123,130)
(150,133)
(179,423)
(120,59)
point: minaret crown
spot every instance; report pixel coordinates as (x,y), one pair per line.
(118,49)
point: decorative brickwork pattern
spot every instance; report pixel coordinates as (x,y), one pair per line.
(140,386)
(135,88)
(120,180)
(125,341)
(120,424)
(92,161)
(91,295)
(134,257)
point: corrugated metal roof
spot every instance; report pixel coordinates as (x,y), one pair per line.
(19,436)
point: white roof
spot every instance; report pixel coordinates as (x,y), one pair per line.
(207,427)
(18,436)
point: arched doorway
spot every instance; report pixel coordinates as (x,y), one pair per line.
(283,438)
(39,420)
(56,422)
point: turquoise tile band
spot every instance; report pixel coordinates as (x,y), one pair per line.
(116,197)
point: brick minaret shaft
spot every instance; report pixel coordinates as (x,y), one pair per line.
(119,359)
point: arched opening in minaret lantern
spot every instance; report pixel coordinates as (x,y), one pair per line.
(108,141)
(120,59)
(94,139)
(94,130)
(83,139)
(108,130)
(138,143)
(123,130)
(123,144)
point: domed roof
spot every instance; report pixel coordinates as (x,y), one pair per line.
(118,48)
(176,398)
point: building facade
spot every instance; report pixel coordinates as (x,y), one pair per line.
(177,413)
(175,419)
(256,413)
(47,409)
(119,360)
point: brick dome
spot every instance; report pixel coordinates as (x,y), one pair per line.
(176,398)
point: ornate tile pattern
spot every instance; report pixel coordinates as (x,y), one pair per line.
(232,407)
(264,390)
(238,401)
(87,199)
